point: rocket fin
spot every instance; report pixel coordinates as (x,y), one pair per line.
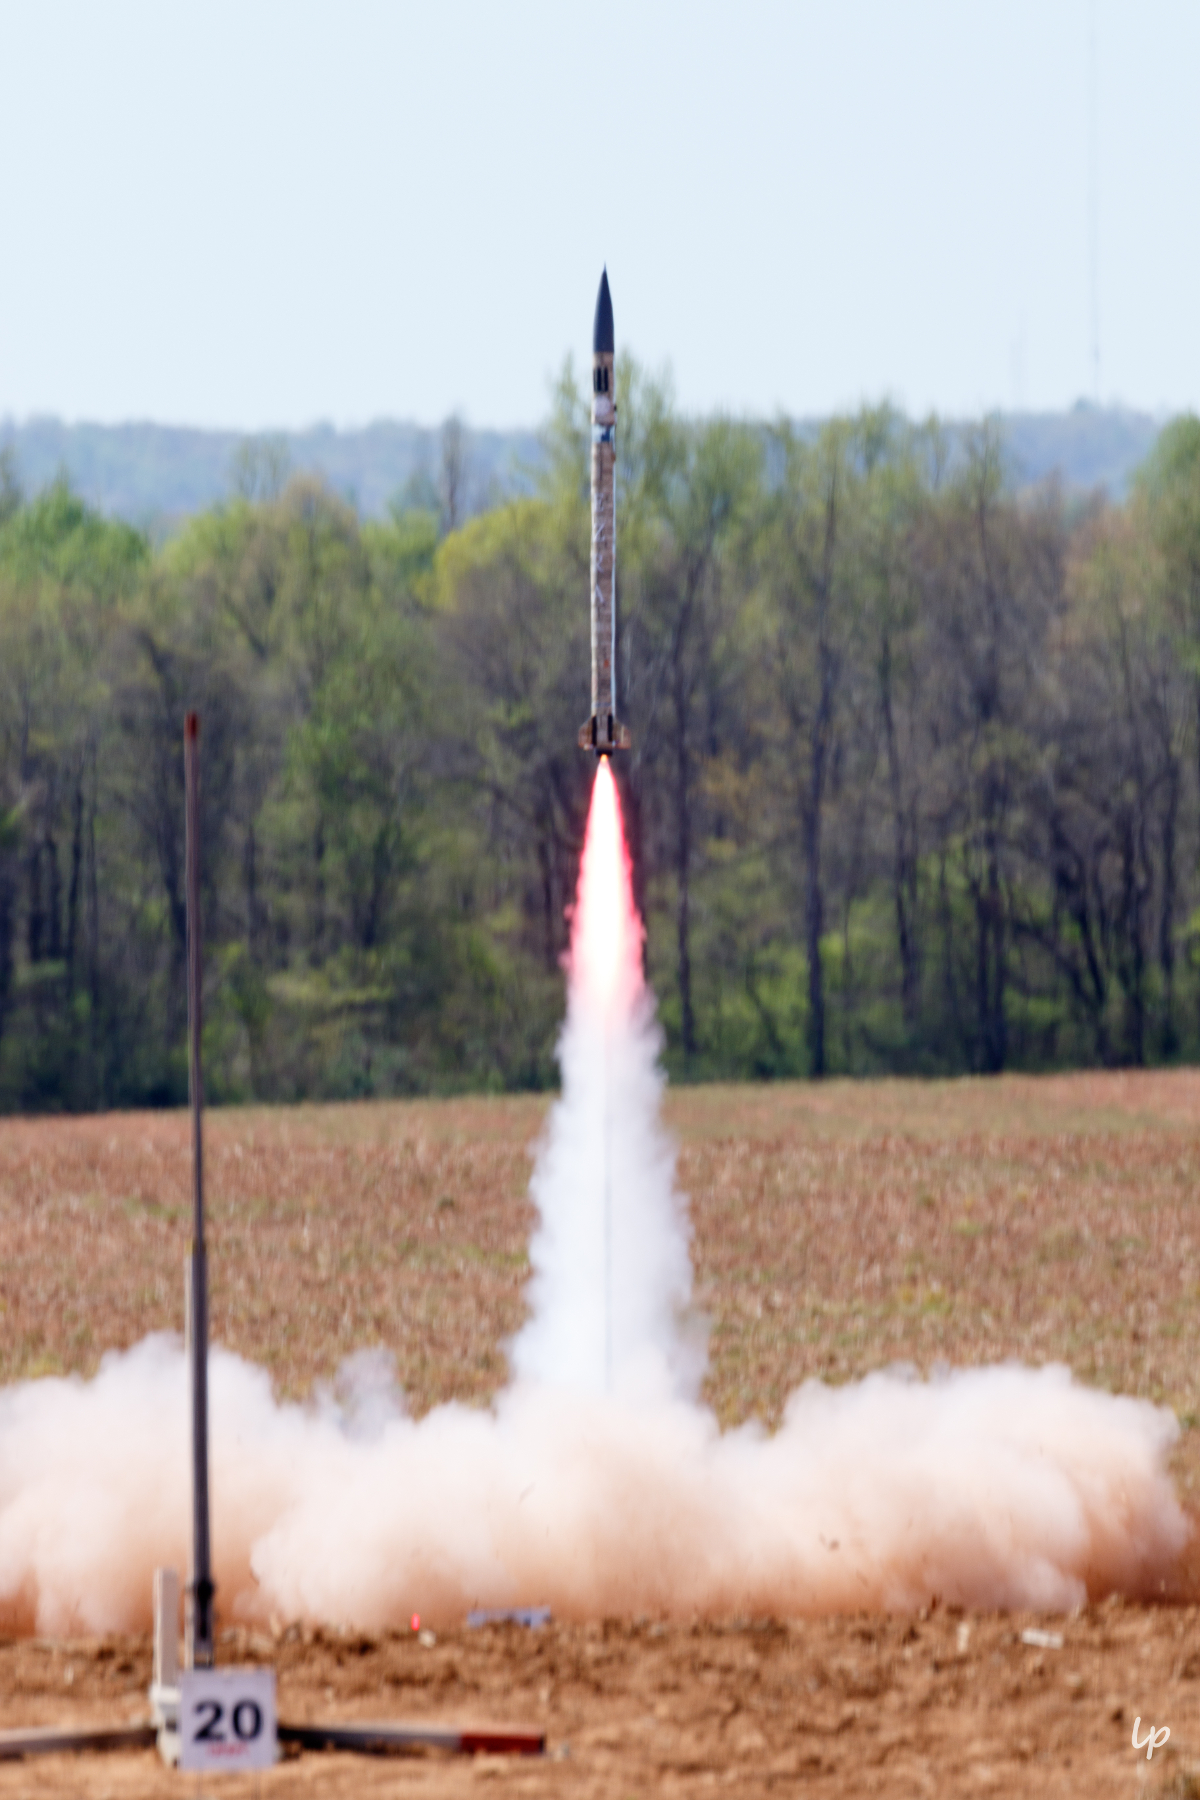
(604,733)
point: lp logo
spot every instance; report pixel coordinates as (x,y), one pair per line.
(1153,1740)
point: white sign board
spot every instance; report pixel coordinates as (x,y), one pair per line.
(227,1719)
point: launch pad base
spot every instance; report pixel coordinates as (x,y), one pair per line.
(366,1740)
(386,1740)
(55,1740)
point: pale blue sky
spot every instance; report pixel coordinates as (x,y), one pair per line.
(257,214)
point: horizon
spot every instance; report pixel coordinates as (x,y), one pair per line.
(153,475)
(1082,405)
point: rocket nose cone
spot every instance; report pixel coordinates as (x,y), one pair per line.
(602,330)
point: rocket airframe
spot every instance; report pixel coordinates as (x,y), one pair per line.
(603,731)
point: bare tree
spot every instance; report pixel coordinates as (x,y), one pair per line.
(991,581)
(811,622)
(453,472)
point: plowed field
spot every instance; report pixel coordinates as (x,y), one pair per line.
(835,1229)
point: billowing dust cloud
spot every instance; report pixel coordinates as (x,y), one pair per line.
(596,1483)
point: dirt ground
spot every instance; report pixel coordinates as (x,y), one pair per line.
(942,1705)
(836,1229)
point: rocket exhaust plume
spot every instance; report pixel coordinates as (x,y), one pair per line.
(611,1271)
(596,1482)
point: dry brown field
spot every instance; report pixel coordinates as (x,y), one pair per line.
(836,1229)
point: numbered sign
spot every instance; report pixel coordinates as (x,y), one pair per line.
(227,1719)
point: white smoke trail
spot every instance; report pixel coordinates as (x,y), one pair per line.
(613,1232)
(987,1488)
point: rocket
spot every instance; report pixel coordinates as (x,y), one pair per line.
(603,732)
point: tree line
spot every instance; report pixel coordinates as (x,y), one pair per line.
(914,785)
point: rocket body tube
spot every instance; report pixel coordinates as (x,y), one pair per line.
(603,732)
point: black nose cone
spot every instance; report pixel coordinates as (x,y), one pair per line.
(602,330)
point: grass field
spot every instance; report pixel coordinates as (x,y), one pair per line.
(836,1229)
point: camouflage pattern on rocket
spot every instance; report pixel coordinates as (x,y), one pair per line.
(603,732)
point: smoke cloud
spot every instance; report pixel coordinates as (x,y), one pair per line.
(596,1483)
(999,1487)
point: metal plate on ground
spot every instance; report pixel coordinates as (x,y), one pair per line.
(227,1720)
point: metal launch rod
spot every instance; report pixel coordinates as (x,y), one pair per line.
(199,1635)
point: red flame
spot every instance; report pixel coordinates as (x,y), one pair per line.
(606,938)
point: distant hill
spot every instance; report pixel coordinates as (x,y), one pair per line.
(153,475)
(1089,447)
